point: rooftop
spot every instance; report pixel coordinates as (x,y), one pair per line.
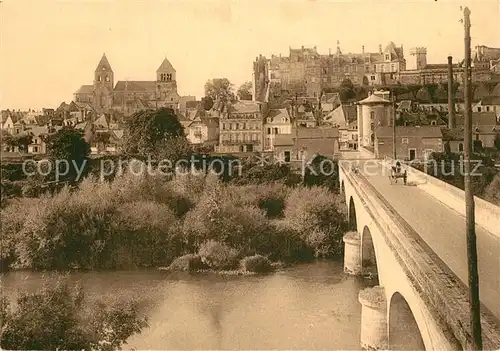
(419,132)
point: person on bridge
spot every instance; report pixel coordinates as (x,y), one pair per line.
(397,167)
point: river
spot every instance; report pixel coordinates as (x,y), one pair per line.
(308,306)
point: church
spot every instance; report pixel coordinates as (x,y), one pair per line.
(129,97)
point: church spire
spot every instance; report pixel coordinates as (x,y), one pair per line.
(103,64)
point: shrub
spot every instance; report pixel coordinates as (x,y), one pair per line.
(492,192)
(189,262)
(218,255)
(147,231)
(256,264)
(319,217)
(51,319)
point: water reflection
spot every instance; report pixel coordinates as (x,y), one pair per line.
(312,306)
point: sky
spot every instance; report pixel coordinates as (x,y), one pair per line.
(48,48)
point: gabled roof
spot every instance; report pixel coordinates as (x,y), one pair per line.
(102,122)
(244,106)
(404,105)
(317,133)
(478,118)
(277,115)
(419,132)
(166,66)
(85,89)
(135,86)
(490,100)
(103,64)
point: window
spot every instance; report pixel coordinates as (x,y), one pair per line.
(372,77)
(372,115)
(479,109)
(433,123)
(404,141)
(107,78)
(268,130)
(35,149)
(169,76)
(98,78)
(287,156)
(487,109)
(387,58)
(275,130)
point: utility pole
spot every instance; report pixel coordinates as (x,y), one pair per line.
(394,126)
(474,304)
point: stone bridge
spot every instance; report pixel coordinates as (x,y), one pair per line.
(412,240)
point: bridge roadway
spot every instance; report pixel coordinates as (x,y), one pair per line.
(443,230)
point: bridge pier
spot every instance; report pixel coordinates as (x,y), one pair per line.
(373,319)
(352,253)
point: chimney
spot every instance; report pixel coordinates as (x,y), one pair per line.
(363,49)
(302,47)
(380,48)
(451,105)
(330,52)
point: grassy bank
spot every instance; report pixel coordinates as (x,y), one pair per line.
(149,221)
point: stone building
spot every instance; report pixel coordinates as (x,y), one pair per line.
(484,66)
(306,72)
(373,112)
(412,143)
(129,96)
(240,126)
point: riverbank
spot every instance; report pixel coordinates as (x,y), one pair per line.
(291,308)
(147,221)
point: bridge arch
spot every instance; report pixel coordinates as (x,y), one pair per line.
(353,223)
(368,254)
(404,333)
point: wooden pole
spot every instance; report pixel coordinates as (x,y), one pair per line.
(394,153)
(474,303)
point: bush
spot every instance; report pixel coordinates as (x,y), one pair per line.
(52,319)
(217,255)
(319,217)
(256,264)
(189,262)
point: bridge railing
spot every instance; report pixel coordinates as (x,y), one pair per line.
(487,214)
(440,289)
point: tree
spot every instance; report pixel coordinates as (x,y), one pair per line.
(52,319)
(346,91)
(207,102)
(68,144)
(492,191)
(219,88)
(147,130)
(21,141)
(245,91)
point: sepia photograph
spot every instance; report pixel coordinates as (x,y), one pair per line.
(250,175)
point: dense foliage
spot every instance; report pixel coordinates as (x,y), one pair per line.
(148,132)
(148,221)
(58,318)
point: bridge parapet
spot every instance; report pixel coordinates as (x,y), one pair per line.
(443,293)
(487,214)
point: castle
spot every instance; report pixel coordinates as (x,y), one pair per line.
(306,72)
(129,96)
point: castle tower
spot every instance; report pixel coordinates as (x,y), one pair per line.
(420,54)
(166,85)
(103,85)
(373,112)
